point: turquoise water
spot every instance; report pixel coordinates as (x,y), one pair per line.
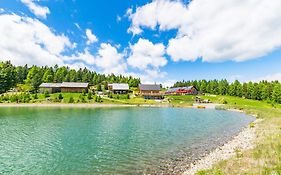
(109,141)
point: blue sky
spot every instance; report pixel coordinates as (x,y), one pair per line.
(160,41)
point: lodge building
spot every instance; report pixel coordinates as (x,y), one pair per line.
(63,87)
(150,91)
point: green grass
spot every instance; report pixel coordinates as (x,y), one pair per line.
(133,101)
(265,158)
(181,100)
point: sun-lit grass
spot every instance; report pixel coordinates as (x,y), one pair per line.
(265,158)
(181,99)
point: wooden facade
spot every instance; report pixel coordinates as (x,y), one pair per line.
(50,87)
(150,91)
(64,87)
(74,89)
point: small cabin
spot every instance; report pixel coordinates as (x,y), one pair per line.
(150,91)
(118,88)
(50,87)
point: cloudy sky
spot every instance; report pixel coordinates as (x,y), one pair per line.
(159,41)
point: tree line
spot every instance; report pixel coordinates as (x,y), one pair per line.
(263,90)
(30,78)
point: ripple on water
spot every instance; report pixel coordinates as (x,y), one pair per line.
(110,141)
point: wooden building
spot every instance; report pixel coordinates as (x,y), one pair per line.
(190,90)
(118,88)
(74,87)
(150,91)
(50,87)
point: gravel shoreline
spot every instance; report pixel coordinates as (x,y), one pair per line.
(243,141)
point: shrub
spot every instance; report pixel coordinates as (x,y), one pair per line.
(84,92)
(98,99)
(35,96)
(46,94)
(89,96)
(128,96)
(60,97)
(82,99)
(14,98)
(25,98)
(110,95)
(71,100)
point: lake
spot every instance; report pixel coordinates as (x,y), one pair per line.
(110,140)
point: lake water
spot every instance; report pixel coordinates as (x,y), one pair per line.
(110,140)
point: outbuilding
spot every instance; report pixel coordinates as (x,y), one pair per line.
(50,87)
(119,88)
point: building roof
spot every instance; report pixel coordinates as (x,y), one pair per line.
(50,85)
(150,87)
(179,88)
(119,86)
(74,85)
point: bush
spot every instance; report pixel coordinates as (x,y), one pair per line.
(98,99)
(35,96)
(14,98)
(110,95)
(60,97)
(24,98)
(128,96)
(82,99)
(89,96)
(46,94)
(84,92)
(71,100)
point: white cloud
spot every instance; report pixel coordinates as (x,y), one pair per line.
(166,14)
(25,40)
(109,60)
(91,37)
(271,77)
(36,9)
(84,56)
(145,54)
(149,76)
(236,30)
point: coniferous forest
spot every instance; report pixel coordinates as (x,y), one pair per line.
(30,78)
(263,90)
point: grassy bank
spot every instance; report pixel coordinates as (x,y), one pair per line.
(265,158)
(75,98)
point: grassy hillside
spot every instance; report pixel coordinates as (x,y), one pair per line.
(266,157)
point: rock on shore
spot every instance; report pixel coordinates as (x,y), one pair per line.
(243,141)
